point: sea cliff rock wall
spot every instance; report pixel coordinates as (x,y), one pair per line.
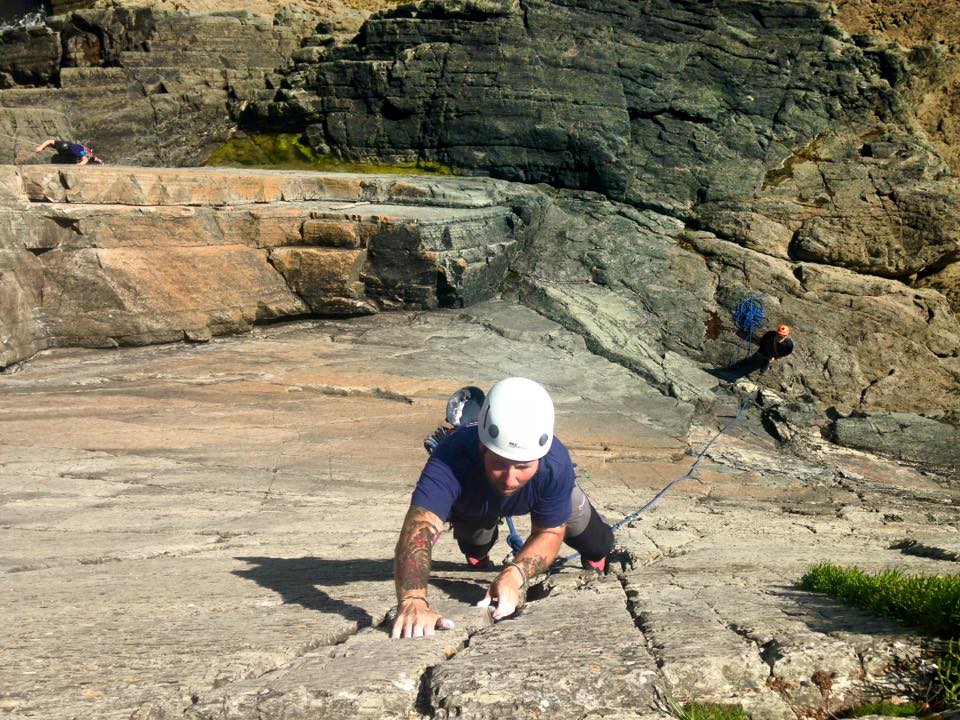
(141,86)
(758,141)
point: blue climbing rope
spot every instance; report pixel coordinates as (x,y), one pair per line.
(514,539)
(741,413)
(748,316)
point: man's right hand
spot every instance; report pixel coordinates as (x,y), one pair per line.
(416,619)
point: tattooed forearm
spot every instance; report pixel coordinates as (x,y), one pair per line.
(540,550)
(533,564)
(411,562)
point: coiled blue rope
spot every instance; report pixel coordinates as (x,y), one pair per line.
(748,316)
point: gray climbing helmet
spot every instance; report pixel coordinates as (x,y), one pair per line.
(463,407)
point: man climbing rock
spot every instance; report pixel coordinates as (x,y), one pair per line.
(773,344)
(508,464)
(69,152)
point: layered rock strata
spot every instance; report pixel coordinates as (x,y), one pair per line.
(649,293)
(662,103)
(142,86)
(752,146)
(107,256)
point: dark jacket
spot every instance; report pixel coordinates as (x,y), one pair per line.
(772,346)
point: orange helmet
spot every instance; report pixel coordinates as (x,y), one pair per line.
(783,330)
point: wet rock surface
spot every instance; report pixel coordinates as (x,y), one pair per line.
(207,530)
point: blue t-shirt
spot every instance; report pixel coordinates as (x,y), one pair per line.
(68,148)
(453,483)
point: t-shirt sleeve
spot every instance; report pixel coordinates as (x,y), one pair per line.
(437,489)
(553,508)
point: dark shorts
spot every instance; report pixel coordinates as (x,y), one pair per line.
(585,530)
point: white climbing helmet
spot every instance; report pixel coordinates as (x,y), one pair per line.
(516,421)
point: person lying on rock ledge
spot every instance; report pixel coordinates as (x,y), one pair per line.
(69,152)
(509,463)
(772,344)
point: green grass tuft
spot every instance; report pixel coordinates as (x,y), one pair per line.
(886,709)
(948,674)
(285,151)
(928,602)
(711,711)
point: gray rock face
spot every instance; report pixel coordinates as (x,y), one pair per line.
(609,273)
(30,56)
(253,487)
(143,86)
(514,670)
(588,95)
(811,183)
(901,435)
(760,147)
(862,342)
(879,203)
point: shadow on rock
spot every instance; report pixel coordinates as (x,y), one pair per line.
(296,580)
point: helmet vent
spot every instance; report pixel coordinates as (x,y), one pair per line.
(543,440)
(494,431)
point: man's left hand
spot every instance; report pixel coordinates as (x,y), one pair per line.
(505,590)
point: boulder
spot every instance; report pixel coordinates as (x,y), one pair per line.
(328,280)
(876,202)
(947,282)
(30,55)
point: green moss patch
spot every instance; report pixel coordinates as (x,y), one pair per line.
(285,151)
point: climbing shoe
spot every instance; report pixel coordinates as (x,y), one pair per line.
(484,563)
(600,566)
